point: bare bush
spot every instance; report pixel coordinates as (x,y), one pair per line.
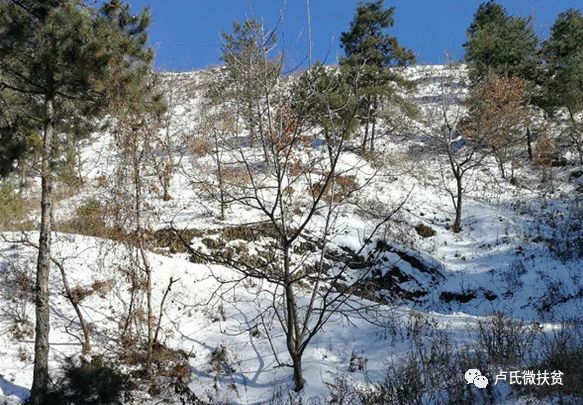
(18,293)
(505,340)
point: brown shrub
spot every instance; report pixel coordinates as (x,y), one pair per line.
(89,220)
(101,287)
(238,232)
(425,231)
(220,361)
(200,146)
(79,293)
(560,351)
(344,186)
(248,232)
(21,329)
(101,181)
(235,176)
(167,238)
(18,293)
(504,340)
(546,152)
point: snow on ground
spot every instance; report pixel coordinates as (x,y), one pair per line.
(190,325)
(503,260)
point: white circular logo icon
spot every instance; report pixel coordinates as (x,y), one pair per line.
(474,376)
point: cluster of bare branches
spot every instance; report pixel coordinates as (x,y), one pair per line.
(284,158)
(489,122)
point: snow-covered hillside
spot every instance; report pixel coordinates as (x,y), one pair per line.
(518,253)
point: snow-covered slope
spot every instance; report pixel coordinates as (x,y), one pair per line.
(513,255)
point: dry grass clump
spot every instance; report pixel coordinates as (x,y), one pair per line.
(344,186)
(425,231)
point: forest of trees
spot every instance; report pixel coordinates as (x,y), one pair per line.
(69,68)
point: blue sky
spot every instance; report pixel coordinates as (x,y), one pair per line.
(186,33)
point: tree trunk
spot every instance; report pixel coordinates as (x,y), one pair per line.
(292,334)
(86,345)
(457,223)
(298,373)
(366,127)
(365,139)
(128,320)
(42,328)
(23,176)
(576,136)
(220,179)
(372,135)
(142,252)
(166,180)
(501,167)
(79,161)
(252,136)
(579,147)
(374,124)
(529,143)
(166,196)
(150,315)
(159,324)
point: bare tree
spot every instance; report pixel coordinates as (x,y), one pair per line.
(167,154)
(216,124)
(574,131)
(297,185)
(466,132)
(136,132)
(69,293)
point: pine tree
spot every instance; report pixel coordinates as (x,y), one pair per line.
(503,45)
(70,61)
(371,53)
(563,59)
(12,145)
(326,98)
(500,44)
(249,72)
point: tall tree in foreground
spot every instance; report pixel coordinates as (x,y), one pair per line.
(70,61)
(374,54)
(297,184)
(563,57)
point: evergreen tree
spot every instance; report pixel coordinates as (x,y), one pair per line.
(12,145)
(326,99)
(503,45)
(71,62)
(249,72)
(371,53)
(500,44)
(14,128)
(563,59)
